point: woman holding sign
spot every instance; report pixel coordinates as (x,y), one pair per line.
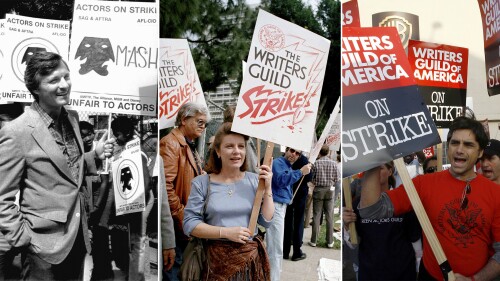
(385,248)
(233,251)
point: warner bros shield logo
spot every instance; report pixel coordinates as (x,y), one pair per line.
(405,23)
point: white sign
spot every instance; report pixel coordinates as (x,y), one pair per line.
(128,179)
(326,132)
(23,37)
(114,57)
(282,83)
(178,81)
(3,63)
(333,138)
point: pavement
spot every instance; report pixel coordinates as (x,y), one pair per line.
(307,269)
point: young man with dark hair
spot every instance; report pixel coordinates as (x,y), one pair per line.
(42,157)
(462,207)
(490,162)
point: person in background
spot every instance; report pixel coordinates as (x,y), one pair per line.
(234,252)
(430,165)
(294,217)
(385,250)
(283,179)
(490,162)
(166,225)
(324,178)
(182,163)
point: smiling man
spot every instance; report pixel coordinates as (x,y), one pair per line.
(462,207)
(43,158)
(490,162)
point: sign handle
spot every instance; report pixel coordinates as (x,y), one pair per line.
(106,163)
(298,186)
(260,189)
(348,203)
(424,220)
(439,153)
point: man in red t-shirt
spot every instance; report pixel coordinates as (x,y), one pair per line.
(463,207)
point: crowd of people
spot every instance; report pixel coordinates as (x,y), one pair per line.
(461,203)
(214,200)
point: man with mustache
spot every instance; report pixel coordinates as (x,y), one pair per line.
(490,162)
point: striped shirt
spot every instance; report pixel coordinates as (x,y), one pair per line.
(324,172)
(64,136)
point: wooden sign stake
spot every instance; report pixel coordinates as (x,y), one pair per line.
(346,189)
(424,220)
(260,189)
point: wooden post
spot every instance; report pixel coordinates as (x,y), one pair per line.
(346,189)
(106,162)
(258,151)
(260,190)
(424,220)
(439,153)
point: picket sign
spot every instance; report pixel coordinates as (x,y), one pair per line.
(260,189)
(439,153)
(346,189)
(424,220)
(317,147)
(106,165)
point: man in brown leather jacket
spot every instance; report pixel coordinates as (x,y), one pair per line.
(182,163)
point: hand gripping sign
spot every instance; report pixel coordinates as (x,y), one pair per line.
(384,115)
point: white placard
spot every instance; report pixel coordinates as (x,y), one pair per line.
(178,80)
(23,37)
(3,63)
(114,57)
(128,179)
(282,83)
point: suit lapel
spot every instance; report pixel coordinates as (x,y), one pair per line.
(45,140)
(76,129)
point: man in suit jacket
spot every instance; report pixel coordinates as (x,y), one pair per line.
(43,159)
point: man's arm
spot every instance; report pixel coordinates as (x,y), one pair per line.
(283,175)
(170,157)
(12,168)
(489,272)
(370,191)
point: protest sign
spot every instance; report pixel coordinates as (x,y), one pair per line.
(350,14)
(114,57)
(333,138)
(326,131)
(282,83)
(178,80)
(428,152)
(128,179)
(490,16)
(406,24)
(3,63)
(441,74)
(23,37)
(384,116)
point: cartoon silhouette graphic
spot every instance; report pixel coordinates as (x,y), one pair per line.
(96,51)
(126,179)
(30,51)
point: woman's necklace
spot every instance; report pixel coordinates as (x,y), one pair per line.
(230,189)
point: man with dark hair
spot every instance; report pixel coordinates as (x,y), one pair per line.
(88,134)
(283,179)
(324,178)
(430,165)
(42,157)
(490,162)
(182,163)
(462,207)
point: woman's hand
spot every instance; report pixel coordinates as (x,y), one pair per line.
(348,216)
(237,234)
(266,174)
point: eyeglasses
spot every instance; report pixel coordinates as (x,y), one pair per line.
(465,199)
(293,151)
(201,123)
(431,170)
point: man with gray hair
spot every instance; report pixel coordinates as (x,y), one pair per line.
(182,163)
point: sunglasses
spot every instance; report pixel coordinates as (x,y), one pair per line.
(465,199)
(431,170)
(293,151)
